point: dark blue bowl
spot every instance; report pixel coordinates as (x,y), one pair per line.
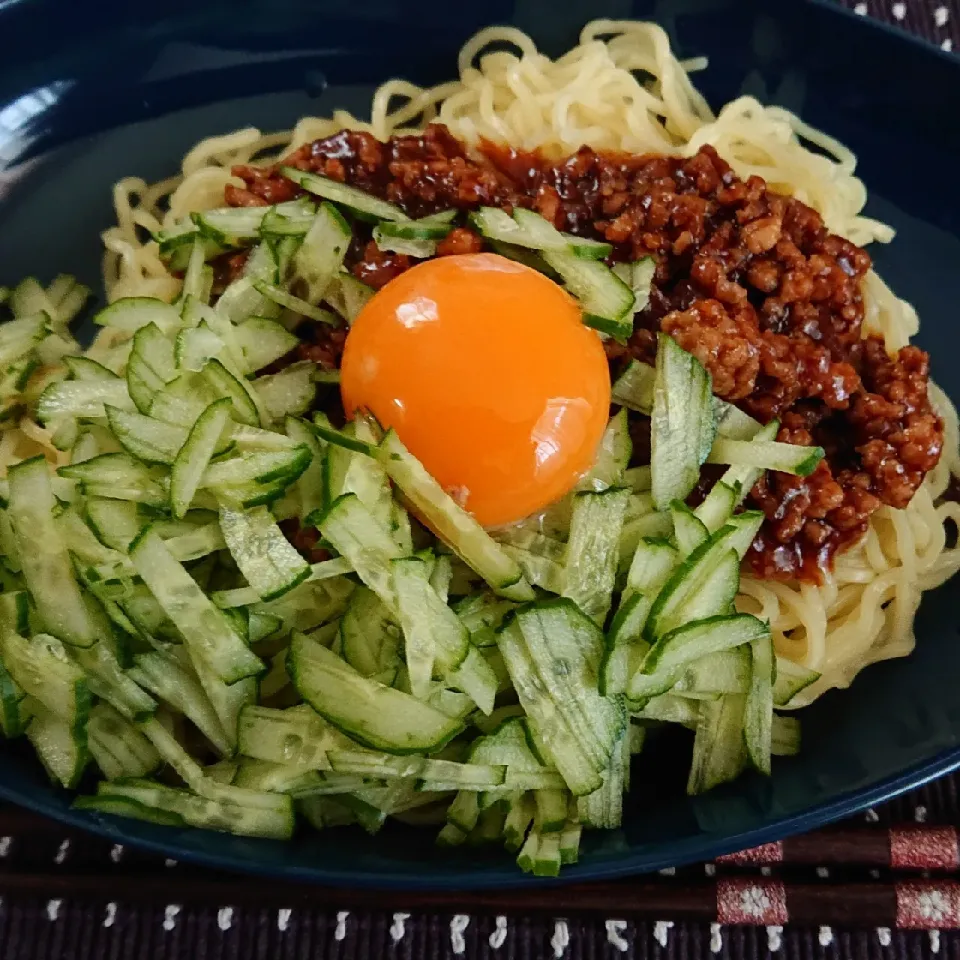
(90,92)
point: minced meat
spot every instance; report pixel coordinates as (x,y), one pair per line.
(748,280)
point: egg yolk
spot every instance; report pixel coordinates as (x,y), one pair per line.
(486,372)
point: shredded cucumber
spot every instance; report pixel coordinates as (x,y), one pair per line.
(335,627)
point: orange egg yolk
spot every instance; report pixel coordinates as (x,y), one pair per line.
(486,372)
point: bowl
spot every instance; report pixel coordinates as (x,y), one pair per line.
(91,92)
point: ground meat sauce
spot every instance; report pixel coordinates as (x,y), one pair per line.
(749,281)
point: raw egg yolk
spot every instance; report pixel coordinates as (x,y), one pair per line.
(486,372)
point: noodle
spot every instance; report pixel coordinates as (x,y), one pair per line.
(623,89)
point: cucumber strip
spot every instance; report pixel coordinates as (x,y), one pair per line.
(464,811)
(689,531)
(83,368)
(612,457)
(46,567)
(117,746)
(758,711)
(638,276)
(153,347)
(224,383)
(726,672)
(62,749)
(593,551)
(567,647)
(435,227)
(356,535)
(109,682)
(152,441)
(195,346)
(767,455)
(734,424)
(346,196)
(282,778)
(417,248)
(687,579)
(286,220)
(245,596)
(347,295)
(416,604)
(556,738)
(291,392)
(509,745)
(132,809)
(240,301)
(785,736)
(683,423)
(519,818)
(297,736)
(375,716)
(451,522)
(477,679)
(603,809)
(230,817)
(131,313)
(718,750)
(194,776)
(663,666)
(41,668)
(652,564)
(424,615)
(168,678)
(320,257)
(667,708)
(262,468)
(467,776)
(263,341)
(790,679)
(194,455)
(718,506)
(369,637)
(538,571)
(82,398)
(268,561)
(606,301)
(205,628)
(13,716)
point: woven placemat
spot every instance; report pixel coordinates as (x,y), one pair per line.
(884,885)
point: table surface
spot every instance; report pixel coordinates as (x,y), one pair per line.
(884,885)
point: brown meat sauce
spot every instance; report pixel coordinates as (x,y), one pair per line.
(748,280)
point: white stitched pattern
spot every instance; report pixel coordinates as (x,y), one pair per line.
(661,931)
(499,935)
(397,928)
(458,925)
(560,939)
(615,931)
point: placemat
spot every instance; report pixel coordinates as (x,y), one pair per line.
(885,885)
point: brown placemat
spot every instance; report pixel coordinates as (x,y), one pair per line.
(885,883)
